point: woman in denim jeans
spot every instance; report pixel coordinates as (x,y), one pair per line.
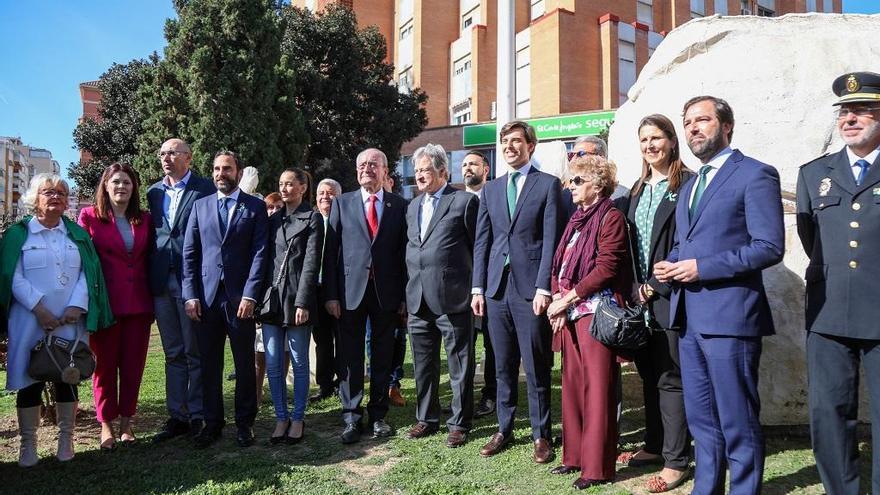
(295,236)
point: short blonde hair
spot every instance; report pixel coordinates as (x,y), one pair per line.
(601,172)
(30,196)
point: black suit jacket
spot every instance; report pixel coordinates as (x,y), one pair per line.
(839,227)
(350,256)
(662,240)
(169,235)
(440,265)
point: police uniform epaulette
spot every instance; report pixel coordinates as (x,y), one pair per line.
(814,159)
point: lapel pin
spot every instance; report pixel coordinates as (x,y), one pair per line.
(388,204)
(876,191)
(824,186)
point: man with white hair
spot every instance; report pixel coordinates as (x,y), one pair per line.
(441,224)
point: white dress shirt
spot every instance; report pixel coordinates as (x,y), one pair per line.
(853,158)
(234,196)
(427,208)
(716,162)
(380,206)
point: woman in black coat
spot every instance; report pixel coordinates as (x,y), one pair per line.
(651,211)
(296,233)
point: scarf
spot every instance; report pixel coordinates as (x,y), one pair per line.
(581,258)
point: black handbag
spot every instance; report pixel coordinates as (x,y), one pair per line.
(616,327)
(55,359)
(270,309)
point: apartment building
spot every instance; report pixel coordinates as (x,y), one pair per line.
(575,59)
(16,171)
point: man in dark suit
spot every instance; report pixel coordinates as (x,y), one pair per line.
(729,229)
(170,201)
(838,219)
(474,174)
(364,277)
(519,222)
(441,224)
(223,264)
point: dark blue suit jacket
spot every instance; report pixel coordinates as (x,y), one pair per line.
(237,256)
(169,235)
(736,232)
(349,253)
(529,237)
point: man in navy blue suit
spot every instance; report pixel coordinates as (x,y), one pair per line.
(519,222)
(730,230)
(364,277)
(170,202)
(222,272)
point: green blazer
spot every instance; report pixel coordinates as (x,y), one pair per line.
(98,315)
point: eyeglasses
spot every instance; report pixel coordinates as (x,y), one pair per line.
(51,193)
(171,153)
(577,180)
(843,112)
(583,153)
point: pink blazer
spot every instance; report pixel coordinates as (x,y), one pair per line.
(126,274)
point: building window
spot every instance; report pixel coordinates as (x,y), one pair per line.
(811,5)
(461,79)
(698,8)
(462,118)
(538,9)
(406,10)
(406,31)
(766,8)
(470,18)
(828,5)
(405,80)
(627,67)
(645,12)
(523,83)
(745,7)
(721,7)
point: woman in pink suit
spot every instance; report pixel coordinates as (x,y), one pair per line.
(122,235)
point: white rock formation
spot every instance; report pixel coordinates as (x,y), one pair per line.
(776,73)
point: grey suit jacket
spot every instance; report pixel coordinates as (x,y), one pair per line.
(440,265)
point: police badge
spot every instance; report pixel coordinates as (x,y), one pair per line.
(824,186)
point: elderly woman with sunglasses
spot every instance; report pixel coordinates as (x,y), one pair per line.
(590,261)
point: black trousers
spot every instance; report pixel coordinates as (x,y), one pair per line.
(427,331)
(325,337)
(350,349)
(32,395)
(666,430)
(219,321)
(518,334)
(490,384)
(833,372)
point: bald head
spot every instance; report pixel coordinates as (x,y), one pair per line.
(175,156)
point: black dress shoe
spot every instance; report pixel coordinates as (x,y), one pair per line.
(207,437)
(352,433)
(172,428)
(486,407)
(563,469)
(583,484)
(195,427)
(382,429)
(245,436)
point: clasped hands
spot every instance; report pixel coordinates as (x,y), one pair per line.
(684,271)
(49,322)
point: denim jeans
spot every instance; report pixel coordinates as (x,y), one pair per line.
(297,339)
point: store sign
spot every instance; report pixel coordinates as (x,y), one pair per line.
(546,128)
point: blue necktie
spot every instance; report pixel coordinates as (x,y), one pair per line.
(863,165)
(224,215)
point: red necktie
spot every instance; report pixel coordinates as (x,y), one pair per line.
(372,217)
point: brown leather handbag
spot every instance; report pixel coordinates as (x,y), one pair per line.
(55,359)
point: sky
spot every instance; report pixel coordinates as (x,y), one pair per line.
(51,46)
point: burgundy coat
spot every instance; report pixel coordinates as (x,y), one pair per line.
(126,273)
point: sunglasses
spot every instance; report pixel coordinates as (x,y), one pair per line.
(578,181)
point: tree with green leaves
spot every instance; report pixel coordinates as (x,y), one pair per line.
(223,85)
(345,91)
(113,135)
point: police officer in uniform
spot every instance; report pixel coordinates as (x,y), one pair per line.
(838,219)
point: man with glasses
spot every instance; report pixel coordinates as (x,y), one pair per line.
(838,219)
(170,201)
(364,277)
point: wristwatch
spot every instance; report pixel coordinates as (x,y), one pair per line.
(649,291)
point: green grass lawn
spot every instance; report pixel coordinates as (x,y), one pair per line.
(320,464)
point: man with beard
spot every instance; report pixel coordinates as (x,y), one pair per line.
(170,201)
(730,230)
(838,219)
(364,277)
(475,173)
(518,225)
(222,272)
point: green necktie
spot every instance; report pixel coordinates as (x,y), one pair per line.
(701,186)
(511,193)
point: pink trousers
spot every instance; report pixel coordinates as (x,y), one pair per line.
(120,355)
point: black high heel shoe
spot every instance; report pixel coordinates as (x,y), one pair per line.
(295,440)
(280,438)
